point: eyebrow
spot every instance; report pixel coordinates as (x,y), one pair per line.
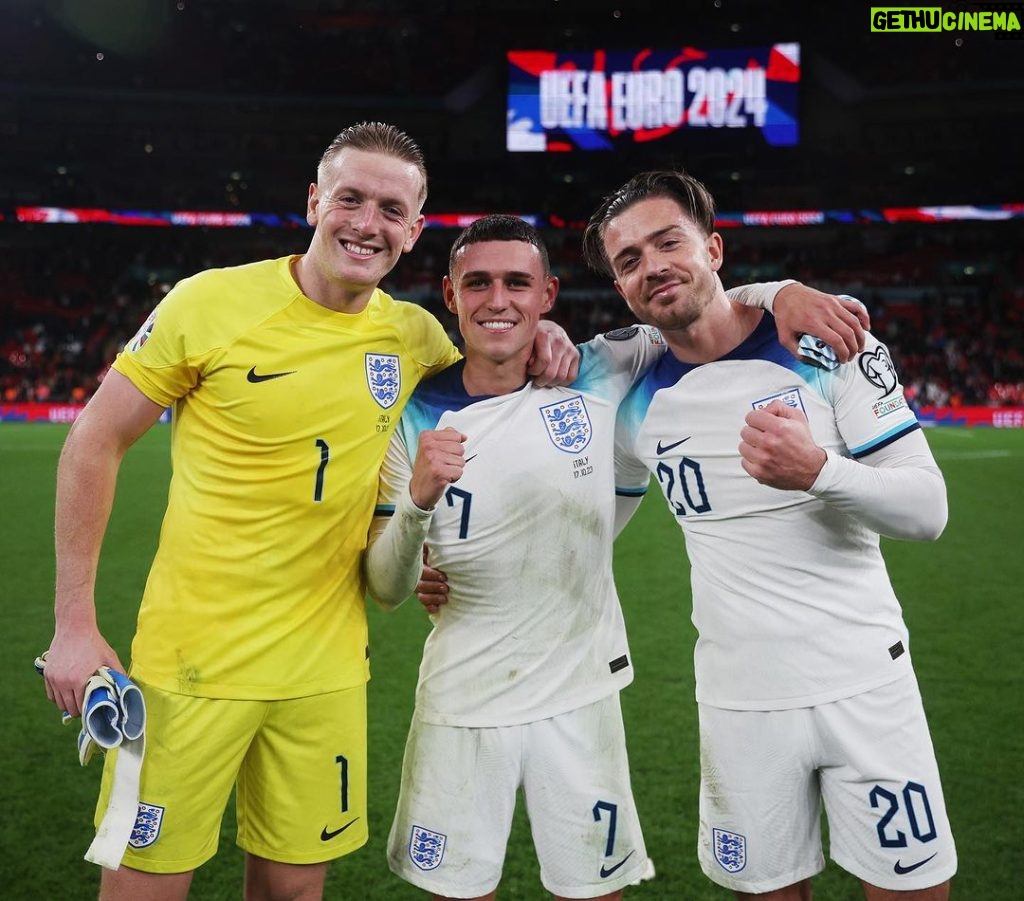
(653,236)
(362,195)
(485,273)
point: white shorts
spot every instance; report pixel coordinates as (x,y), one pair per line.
(458,797)
(868,758)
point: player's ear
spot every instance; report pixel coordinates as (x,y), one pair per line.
(414,233)
(448,291)
(716,250)
(312,202)
(550,293)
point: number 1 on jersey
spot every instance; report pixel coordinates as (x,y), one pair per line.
(325,457)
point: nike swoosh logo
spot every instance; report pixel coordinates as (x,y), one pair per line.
(901,870)
(665,448)
(326,836)
(607,871)
(251,375)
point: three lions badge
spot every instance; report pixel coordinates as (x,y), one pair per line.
(384,378)
(426,848)
(568,424)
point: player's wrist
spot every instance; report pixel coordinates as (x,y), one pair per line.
(72,617)
(819,464)
(822,476)
(417,505)
(768,293)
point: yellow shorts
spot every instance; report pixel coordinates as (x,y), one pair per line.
(299,766)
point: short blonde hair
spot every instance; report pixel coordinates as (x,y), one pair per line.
(378,137)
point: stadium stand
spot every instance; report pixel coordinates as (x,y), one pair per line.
(225,105)
(948,299)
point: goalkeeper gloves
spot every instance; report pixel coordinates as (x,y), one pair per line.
(113,711)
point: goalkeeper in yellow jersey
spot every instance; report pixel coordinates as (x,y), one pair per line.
(286,378)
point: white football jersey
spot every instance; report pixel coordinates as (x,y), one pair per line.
(532,627)
(791,598)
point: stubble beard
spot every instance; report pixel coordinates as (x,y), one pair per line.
(680,313)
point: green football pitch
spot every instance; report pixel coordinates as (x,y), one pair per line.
(963,598)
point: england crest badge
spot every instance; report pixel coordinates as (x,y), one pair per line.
(147,825)
(384,378)
(568,424)
(790,397)
(426,848)
(730,850)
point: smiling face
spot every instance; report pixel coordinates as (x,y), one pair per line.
(365,208)
(665,265)
(499,290)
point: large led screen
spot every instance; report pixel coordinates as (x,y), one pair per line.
(605,100)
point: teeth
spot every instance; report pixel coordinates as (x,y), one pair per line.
(358,249)
(497,326)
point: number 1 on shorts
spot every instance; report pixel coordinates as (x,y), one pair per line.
(342,762)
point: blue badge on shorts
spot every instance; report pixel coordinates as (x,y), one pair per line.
(384,378)
(426,848)
(730,850)
(568,424)
(147,825)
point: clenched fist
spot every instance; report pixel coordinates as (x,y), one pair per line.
(439,462)
(778,449)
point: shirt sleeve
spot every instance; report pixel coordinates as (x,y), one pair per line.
(625,506)
(157,360)
(393,559)
(897,491)
(760,295)
(619,359)
(429,344)
(631,475)
(635,349)
(889,480)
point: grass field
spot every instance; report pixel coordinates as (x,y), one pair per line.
(963,598)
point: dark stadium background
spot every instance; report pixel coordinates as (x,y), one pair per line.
(226,105)
(157,105)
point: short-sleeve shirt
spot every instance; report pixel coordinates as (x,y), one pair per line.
(282,411)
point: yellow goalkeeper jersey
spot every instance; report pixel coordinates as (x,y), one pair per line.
(282,412)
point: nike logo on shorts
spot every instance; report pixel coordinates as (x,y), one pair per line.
(326,836)
(608,871)
(251,375)
(665,448)
(901,870)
